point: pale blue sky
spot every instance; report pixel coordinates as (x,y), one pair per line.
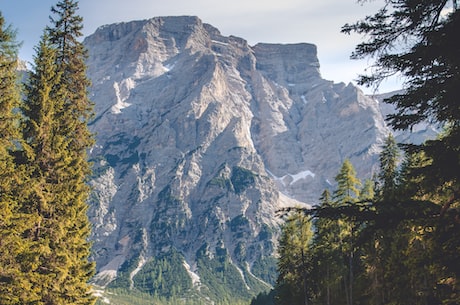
(281,21)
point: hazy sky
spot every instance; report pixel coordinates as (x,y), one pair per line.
(281,21)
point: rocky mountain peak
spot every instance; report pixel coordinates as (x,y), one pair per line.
(201,138)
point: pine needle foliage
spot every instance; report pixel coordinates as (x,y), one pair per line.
(56,112)
(14,284)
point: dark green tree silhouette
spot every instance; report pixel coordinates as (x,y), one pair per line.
(417,39)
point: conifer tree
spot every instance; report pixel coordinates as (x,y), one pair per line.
(328,268)
(9,101)
(367,192)
(57,111)
(389,158)
(13,283)
(348,185)
(347,192)
(293,283)
(64,34)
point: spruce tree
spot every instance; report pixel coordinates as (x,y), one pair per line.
(9,101)
(57,111)
(295,259)
(389,159)
(367,192)
(13,283)
(328,267)
(348,185)
(347,193)
(71,55)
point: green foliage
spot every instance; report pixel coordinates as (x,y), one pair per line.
(265,268)
(389,161)
(348,186)
(224,281)
(134,297)
(165,280)
(241,179)
(123,280)
(294,285)
(14,187)
(222,182)
(123,296)
(164,276)
(47,153)
(264,298)
(414,38)
(239,222)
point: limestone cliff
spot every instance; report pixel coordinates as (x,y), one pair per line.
(201,138)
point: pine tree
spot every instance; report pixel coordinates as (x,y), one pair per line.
(57,111)
(367,193)
(14,183)
(70,59)
(328,268)
(347,193)
(389,159)
(9,101)
(348,185)
(293,284)
(11,222)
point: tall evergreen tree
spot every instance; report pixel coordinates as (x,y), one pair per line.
(389,159)
(9,101)
(328,267)
(347,192)
(71,55)
(13,282)
(293,284)
(367,192)
(57,111)
(348,185)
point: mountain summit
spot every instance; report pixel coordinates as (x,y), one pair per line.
(201,138)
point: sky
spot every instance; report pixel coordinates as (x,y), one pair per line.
(270,21)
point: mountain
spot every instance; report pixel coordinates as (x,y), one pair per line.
(201,138)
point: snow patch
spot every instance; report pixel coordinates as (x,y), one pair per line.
(248,270)
(242,276)
(301,175)
(290,179)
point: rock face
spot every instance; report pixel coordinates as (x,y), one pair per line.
(201,138)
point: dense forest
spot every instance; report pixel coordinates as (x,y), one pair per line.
(394,239)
